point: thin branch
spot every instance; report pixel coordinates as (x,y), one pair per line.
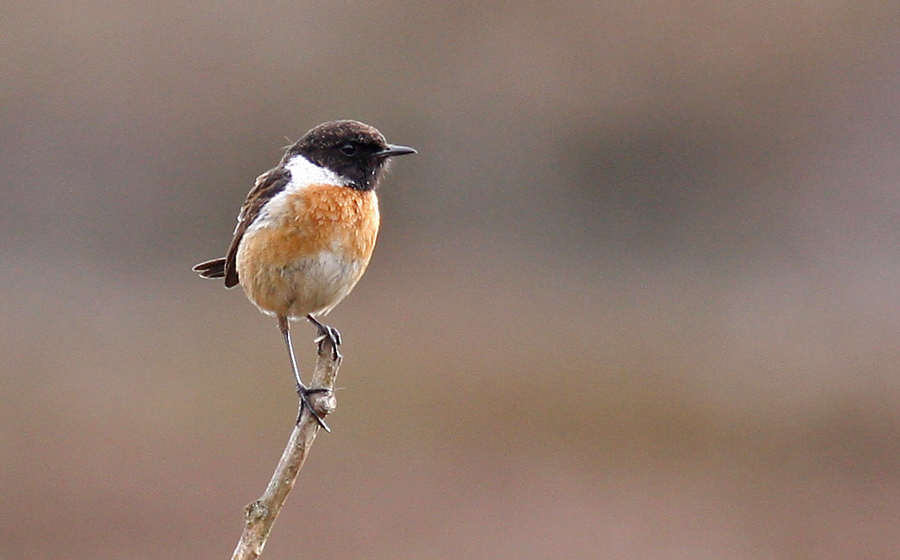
(262,513)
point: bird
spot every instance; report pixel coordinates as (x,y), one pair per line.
(307,229)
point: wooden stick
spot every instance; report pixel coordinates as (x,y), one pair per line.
(262,513)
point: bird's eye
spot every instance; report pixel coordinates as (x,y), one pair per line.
(348,149)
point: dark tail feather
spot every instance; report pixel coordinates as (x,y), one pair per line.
(211,269)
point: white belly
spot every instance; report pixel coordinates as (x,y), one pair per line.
(320,283)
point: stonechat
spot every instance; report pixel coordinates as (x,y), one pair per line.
(306,232)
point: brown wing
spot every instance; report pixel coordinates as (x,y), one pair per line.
(267,185)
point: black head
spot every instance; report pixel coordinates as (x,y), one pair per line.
(355,151)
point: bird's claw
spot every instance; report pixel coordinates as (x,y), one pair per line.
(304,393)
(330,334)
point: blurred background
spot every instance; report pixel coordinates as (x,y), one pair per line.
(636,297)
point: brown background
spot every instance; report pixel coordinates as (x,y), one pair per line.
(636,297)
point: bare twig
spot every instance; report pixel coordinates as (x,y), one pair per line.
(262,513)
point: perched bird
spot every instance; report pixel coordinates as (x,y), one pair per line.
(306,232)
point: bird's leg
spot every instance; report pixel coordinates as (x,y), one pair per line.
(302,390)
(330,333)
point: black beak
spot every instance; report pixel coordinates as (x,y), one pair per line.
(395,150)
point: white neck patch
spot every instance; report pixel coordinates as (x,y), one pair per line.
(305,173)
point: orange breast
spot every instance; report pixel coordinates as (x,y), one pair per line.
(310,251)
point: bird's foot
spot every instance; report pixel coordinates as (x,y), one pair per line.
(305,402)
(327,333)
